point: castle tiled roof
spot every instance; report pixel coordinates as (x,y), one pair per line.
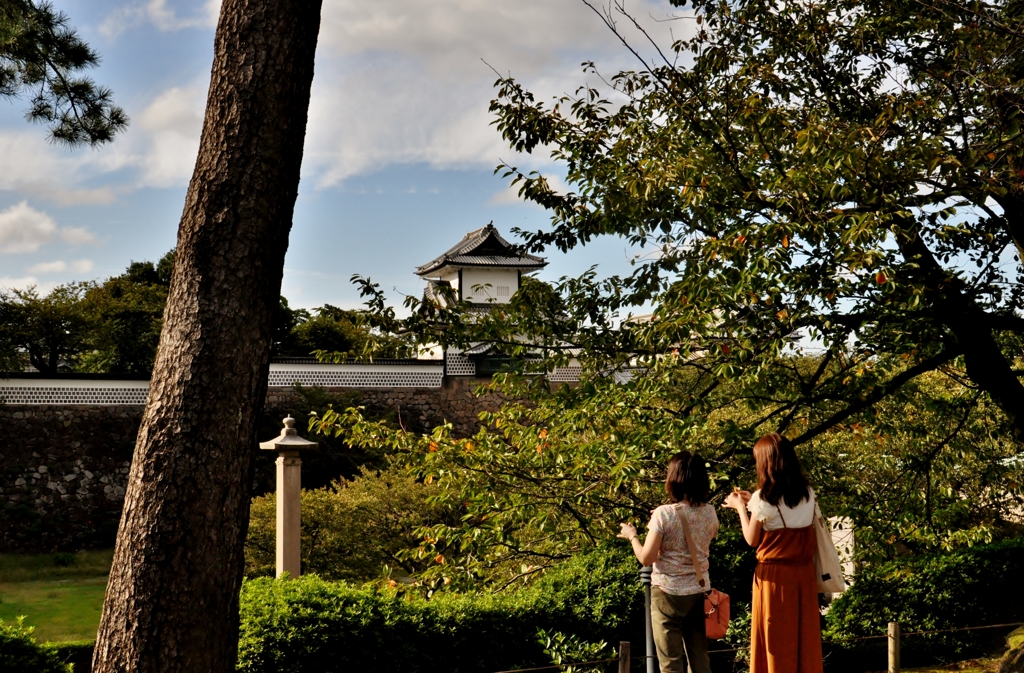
(483,247)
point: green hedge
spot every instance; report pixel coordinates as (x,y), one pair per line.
(20,652)
(313,625)
(78,653)
(978,586)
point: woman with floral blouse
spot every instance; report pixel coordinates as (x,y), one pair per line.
(677,600)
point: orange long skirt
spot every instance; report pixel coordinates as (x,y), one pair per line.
(785,628)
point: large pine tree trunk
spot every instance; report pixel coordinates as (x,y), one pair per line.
(172,599)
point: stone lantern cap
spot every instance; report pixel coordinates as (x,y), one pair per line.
(288,440)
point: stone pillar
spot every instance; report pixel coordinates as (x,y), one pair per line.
(289,519)
(289,496)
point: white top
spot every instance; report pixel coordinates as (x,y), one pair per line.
(673,572)
(800,516)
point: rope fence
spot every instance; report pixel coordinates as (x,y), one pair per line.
(840,641)
(965,628)
(893,636)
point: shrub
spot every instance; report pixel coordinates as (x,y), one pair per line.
(354,530)
(973,587)
(78,653)
(20,652)
(310,624)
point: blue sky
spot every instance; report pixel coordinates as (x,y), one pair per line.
(399,150)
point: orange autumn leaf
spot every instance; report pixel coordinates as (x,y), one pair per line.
(433,447)
(439,558)
(880,278)
(544,433)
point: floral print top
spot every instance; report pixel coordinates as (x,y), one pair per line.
(673,571)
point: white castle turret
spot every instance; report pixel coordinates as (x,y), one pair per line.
(481,269)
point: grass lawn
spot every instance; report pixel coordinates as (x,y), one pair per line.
(61,595)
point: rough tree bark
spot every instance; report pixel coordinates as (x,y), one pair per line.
(172,598)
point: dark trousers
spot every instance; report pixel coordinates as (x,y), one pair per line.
(679,635)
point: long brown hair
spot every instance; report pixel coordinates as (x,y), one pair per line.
(687,479)
(778,471)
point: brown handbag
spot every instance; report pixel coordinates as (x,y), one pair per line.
(716,603)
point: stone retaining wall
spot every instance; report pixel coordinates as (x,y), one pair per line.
(63,471)
(63,468)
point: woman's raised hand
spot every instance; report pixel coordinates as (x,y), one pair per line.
(737,500)
(627,531)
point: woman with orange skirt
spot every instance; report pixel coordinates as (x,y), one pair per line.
(785,621)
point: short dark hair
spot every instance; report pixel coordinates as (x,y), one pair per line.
(687,479)
(779,475)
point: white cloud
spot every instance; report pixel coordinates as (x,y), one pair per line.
(69,197)
(173,123)
(398,82)
(31,164)
(36,168)
(26,282)
(160,15)
(25,229)
(403,82)
(60,266)
(451,36)
(77,236)
(23,283)
(158,150)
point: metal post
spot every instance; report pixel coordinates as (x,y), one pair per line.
(624,656)
(894,647)
(652,658)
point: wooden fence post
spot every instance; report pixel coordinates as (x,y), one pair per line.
(894,647)
(624,656)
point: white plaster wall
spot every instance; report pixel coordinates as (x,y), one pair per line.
(452,276)
(496,279)
(73,391)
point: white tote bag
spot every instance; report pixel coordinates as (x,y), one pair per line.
(826,558)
